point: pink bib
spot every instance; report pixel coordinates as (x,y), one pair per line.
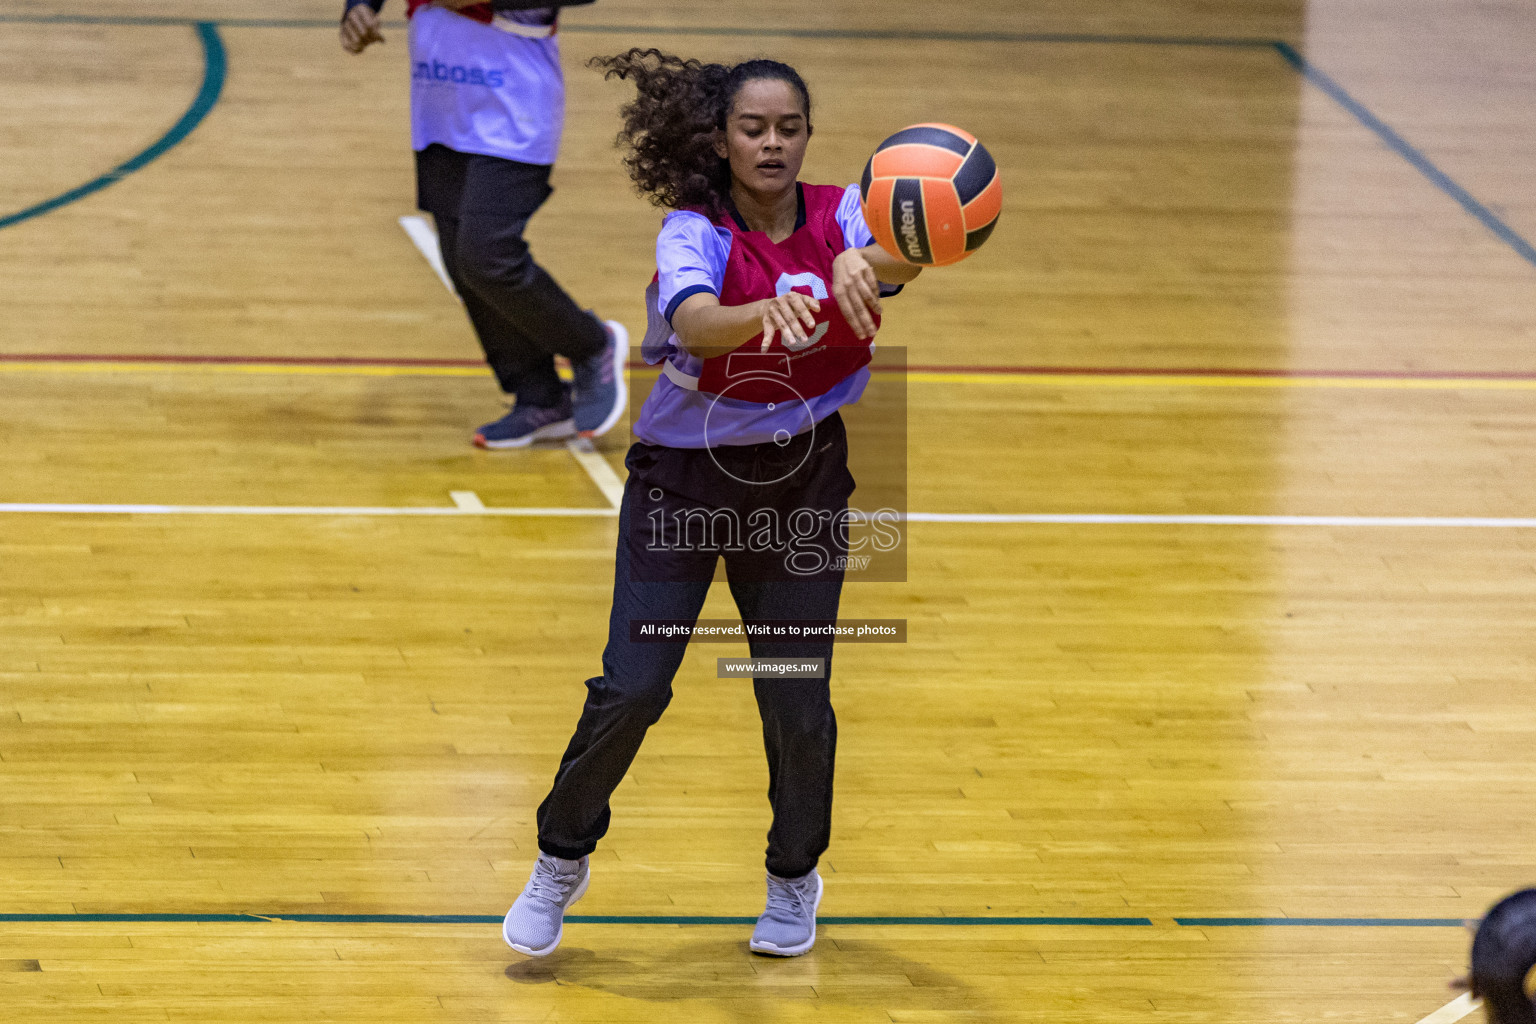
(759,268)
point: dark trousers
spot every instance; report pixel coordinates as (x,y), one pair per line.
(522,317)
(799,728)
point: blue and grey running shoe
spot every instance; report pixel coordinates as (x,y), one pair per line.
(537,920)
(598,393)
(788,925)
(526,424)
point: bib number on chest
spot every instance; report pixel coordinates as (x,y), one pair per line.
(788,283)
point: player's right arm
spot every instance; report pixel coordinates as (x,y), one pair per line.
(691,259)
(706,329)
(360,25)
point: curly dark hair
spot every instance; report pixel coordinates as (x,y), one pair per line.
(671,126)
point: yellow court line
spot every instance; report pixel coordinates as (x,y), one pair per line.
(1040,380)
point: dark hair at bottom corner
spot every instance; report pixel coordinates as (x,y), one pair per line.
(1504,956)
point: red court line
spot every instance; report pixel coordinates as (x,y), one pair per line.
(1062,371)
(1197,371)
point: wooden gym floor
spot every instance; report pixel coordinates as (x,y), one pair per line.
(1269,261)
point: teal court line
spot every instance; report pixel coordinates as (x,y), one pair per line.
(215,68)
(693,919)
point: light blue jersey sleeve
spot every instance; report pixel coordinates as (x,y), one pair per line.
(856,233)
(691,254)
(851,219)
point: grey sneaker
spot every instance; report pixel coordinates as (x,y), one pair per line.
(536,921)
(788,926)
(598,393)
(526,424)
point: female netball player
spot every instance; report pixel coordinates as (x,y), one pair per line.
(766,299)
(487,110)
(1504,960)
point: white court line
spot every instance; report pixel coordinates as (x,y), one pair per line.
(65,508)
(1114,519)
(1429,522)
(425,238)
(1454,1010)
(598,469)
(467,501)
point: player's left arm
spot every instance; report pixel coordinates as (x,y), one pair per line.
(857,275)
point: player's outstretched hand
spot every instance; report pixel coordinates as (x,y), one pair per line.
(857,291)
(360,28)
(793,315)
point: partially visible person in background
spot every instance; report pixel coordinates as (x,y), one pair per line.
(487,109)
(1504,960)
